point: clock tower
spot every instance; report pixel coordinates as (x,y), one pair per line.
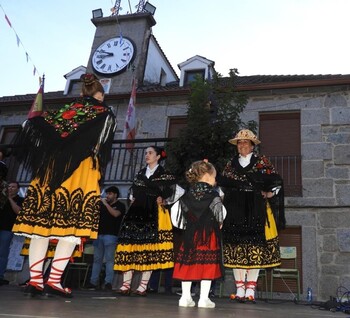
(119,49)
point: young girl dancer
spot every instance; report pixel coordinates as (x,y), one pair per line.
(200,213)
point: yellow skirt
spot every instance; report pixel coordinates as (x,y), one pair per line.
(151,256)
(71,211)
(256,256)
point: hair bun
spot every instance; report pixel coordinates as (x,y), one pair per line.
(88,79)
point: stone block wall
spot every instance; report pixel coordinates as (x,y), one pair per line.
(323,211)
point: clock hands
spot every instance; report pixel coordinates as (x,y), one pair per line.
(112,56)
(105,54)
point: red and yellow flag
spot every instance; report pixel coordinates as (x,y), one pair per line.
(37,106)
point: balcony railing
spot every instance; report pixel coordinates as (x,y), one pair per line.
(125,164)
(289,167)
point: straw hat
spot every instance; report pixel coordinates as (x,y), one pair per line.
(245,134)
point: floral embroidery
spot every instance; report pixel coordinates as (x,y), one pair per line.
(67,119)
(263,165)
(200,189)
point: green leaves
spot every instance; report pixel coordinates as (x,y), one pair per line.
(213,117)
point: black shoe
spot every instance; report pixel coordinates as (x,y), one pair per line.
(4,282)
(108,287)
(32,291)
(168,292)
(250,300)
(139,293)
(123,292)
(152,291)
(90,286)
(24,284)
(52,291)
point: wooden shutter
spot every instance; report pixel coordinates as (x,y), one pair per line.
(176,124)
(281,142)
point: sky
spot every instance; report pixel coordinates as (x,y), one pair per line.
(270,37)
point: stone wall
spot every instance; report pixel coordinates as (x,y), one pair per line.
(323,211)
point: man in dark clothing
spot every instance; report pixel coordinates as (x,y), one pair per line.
(111,215)
(8,215)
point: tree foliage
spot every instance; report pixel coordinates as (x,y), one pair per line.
(213,117)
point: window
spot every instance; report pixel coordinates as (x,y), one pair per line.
(280,141)
(163,78)
(191,75)
(176,124)
(8,134)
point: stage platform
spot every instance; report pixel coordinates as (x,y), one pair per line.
(102,304)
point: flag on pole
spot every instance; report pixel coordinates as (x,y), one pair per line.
(37,106)
(129,132)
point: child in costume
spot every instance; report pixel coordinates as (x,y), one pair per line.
(200,213)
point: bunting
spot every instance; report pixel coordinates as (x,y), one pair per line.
(8,20)
(19,42)
(129,132)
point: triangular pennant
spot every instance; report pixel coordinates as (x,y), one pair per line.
(8,21)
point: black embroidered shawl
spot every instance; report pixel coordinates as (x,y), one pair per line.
(52,146)
(201,214)
(140,224)
(246,208)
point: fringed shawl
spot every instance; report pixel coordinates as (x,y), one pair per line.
(140,224)
(246,208)
(200,213)
(52,146)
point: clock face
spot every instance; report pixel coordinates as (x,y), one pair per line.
(113,56)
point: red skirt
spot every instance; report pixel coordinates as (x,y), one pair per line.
(201,263)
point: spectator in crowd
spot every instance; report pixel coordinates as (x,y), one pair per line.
(8,214)
(154,281)
(3,175)
(111,214)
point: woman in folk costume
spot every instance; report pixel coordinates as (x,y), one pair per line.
(67,151)
(145,240)
(200,213)
(255,204)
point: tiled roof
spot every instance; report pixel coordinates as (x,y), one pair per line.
(30,97)
(269,82)
(265,79)
(252,82)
